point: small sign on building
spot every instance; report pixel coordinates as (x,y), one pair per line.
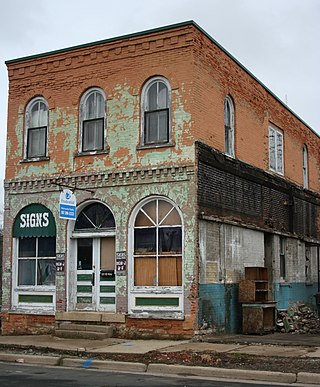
(121,261)
(68,205)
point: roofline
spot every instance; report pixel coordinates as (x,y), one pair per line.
(103,41)
(155,30)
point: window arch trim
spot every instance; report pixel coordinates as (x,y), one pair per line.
(229,126)
(305,166)
(36,129)
(174,256)
(162,135)
(92,127)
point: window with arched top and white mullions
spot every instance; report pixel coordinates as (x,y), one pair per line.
(305,167)
(36,128)
(156,112)
(92,121)
(229,126)
(157,245)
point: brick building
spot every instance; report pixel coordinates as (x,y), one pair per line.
(185,168)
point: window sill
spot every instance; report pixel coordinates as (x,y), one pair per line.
(92,153)
(156,315)
(35,159)
(155,146)
(41,311)
(276,173)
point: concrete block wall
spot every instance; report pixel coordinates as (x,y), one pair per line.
(295,287)
(225,250)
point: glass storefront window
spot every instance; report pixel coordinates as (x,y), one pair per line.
(33,270)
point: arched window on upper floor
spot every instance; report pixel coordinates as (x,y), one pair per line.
(36,128)
(92,121)
(156,113)
(305,167)
(229,126)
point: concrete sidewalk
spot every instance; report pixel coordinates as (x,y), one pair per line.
(238,344)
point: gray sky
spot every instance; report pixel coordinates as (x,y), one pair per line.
(277,40)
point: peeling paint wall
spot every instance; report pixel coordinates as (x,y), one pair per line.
(234,212)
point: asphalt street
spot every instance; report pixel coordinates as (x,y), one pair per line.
(17,375)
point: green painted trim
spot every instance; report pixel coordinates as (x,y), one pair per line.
(84,300)
(84,289)
(84,277)
(107,289)
(35,298)
(157,301)
(107,279)
(107,300)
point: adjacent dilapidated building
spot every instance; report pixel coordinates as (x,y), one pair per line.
(185,170)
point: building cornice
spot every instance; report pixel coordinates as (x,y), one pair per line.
(94,180)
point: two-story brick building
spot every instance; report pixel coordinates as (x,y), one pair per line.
(185,168)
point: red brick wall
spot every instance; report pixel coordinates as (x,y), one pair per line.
(21,324)
(217,75)
(116,67)
(201,75)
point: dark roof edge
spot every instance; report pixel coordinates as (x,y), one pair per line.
(159,29)
(109,40)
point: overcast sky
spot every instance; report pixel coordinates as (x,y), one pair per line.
(277,40)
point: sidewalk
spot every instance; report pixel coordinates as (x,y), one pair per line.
(51,350)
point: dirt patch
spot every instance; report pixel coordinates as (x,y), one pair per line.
(221,360)
(191,358)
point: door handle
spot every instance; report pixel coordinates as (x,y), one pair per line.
(93,278)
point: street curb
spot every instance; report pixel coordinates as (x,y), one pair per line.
(212,372)
(30,359)
(161,369)
(305,377)
(104,364)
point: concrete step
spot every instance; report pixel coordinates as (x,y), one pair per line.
(69,326)
(76,334)
(98,317)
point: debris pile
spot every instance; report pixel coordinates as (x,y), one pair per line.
(299,318)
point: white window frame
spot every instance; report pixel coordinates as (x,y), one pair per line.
(144,109)
(305,167)
(229,129)
(276,150)
(283,262)
(28,127)
(17,290)
(170,312)
(82,119)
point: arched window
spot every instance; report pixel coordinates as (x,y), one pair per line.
(229,126)
(92,121)
(305,167)
(156,112)
(157,245)
(36,128)
(95,216)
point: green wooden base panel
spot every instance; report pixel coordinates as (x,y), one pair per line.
(84,277)
(155,301)
(84,300)
(107,300)
(35,298)
(107,289)
(84,289)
